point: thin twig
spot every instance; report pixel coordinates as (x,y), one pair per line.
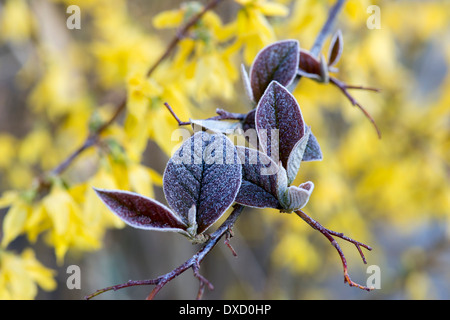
(343,87)
(194,263)
(228,236)
(329,235)
(181,33)
(221,115)
(180,123)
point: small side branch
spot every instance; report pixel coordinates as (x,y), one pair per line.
(329,235)
(221,115)
(344,88)
(194,263)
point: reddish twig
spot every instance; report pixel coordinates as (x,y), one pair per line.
(193,262)
(344,88)
(180,123)
(221,115)
(228,236)
(329,235)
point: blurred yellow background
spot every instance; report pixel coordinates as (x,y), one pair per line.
(391,193)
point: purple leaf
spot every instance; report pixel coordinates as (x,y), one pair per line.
(278,61)
(249,120)
(205,171)
(336,48)
(309,66)
(141,212)
(278,114)
(259,179)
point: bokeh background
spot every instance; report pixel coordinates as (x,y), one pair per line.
(391,193)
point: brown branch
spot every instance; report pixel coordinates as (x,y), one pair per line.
(192,263)
(329,235)
(221,115)
(344,88)
(315,51)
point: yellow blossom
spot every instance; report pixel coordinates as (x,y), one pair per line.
(13,12)
(15,219)
(252,29)
(21,275)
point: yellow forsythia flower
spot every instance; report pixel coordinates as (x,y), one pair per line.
(16,21)
(15,219)
(21,275)
(252,28)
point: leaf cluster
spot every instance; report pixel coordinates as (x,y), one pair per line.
(208,173)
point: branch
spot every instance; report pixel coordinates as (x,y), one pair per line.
(329,235)
(344,88)
(221,115)
(192,263)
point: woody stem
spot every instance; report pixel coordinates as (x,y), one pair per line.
(194,263)
(343,87)
(329,235)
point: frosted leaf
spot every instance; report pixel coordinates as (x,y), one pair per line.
(313,151)
(309,66)
(297,197)
(218,126)
(141,212)
(336,48)
(278,113)
(246,82)
(278,61)
(205,171)
(259,179)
